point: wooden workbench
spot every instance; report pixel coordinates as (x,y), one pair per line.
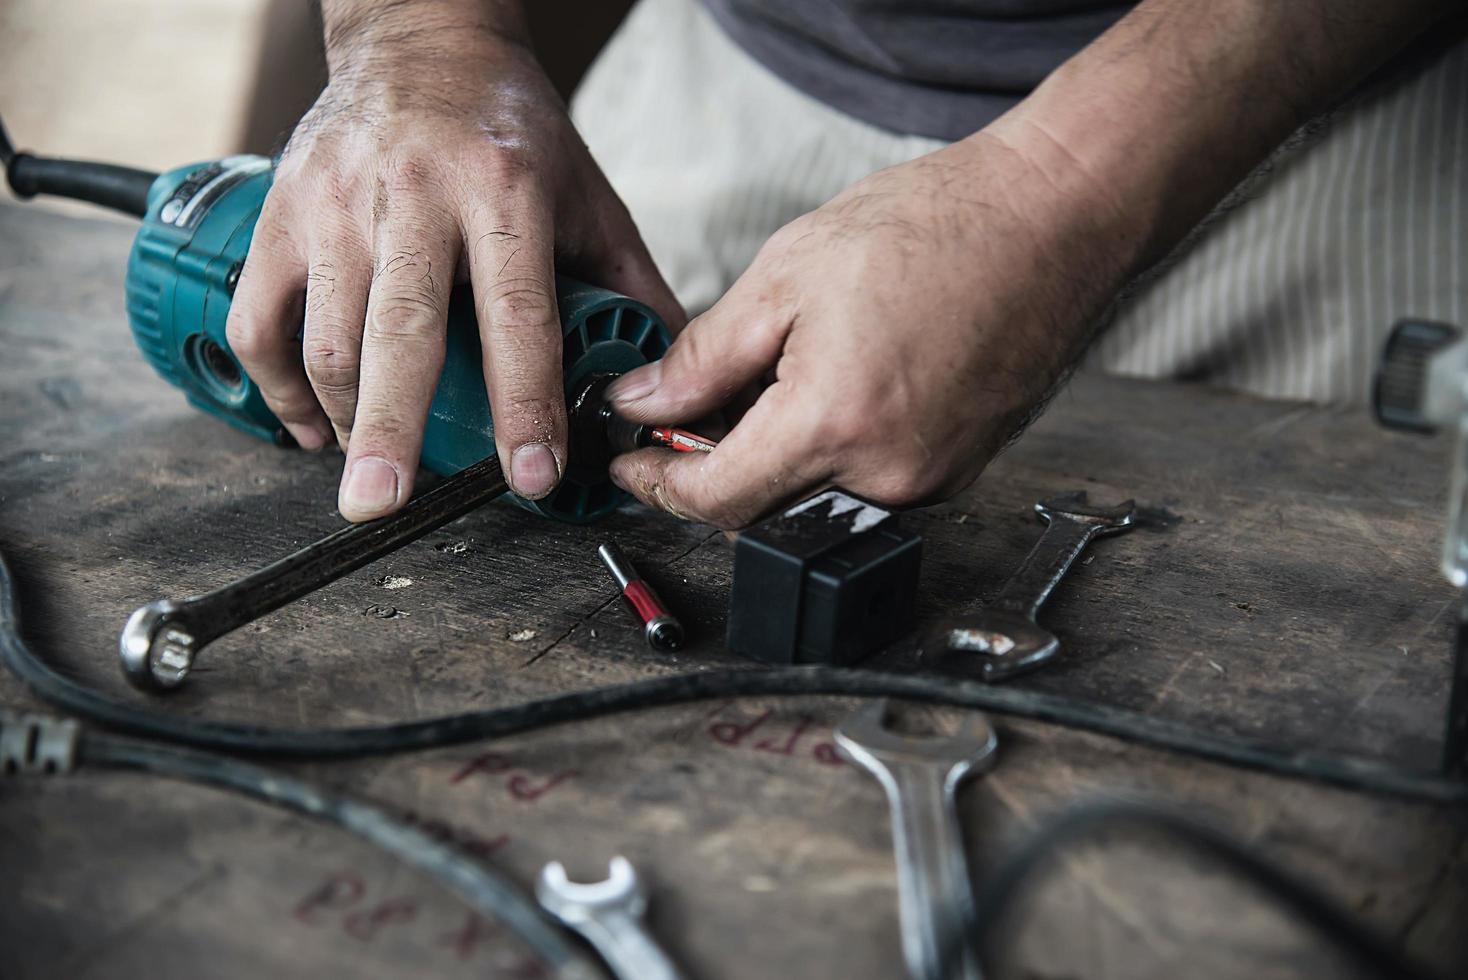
(1284,585)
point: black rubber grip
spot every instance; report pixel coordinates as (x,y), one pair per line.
(121,188)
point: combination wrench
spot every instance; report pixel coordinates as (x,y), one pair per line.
(1004,633)
(921,776)
(610,915)
(162,639)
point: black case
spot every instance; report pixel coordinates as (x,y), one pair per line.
(829,581)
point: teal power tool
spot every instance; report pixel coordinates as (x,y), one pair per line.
(196,226)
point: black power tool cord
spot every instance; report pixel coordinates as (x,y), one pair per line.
(123,189)
(51,747)
(1248,753)
(999,896)
(490,894)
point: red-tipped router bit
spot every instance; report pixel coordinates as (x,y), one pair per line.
(680,440)
(659,627)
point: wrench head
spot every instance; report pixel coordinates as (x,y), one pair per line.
(575,902)
(994,643)
(157,647)
(866,740)
(1074,506)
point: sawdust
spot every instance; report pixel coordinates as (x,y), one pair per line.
(521,636)
(394,582)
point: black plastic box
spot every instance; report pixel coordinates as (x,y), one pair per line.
(830,580)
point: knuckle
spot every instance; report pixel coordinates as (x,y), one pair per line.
(905,482)
(407,171)
(333,368)
(508,165)
(908,487)
(778,245)
(339,184)
(404,318)
(247,337)
(524,301)
(279,203)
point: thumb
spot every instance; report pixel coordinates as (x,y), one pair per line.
(718,354)
(750,473)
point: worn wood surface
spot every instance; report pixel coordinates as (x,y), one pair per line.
(1283,585)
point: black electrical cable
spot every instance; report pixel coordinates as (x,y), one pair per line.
(483,888)
(1248,753)
(997,901)
(999,895)
(123,189)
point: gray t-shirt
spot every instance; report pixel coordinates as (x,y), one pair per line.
(940,68)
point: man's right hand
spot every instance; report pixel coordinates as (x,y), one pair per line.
(438,151)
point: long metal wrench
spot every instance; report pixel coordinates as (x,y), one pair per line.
(162,639)
(921,776)
(610,915)
(1005,633)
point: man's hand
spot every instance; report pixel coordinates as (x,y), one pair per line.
(917,320)
(912,325)
(437,152)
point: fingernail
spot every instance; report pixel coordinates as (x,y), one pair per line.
(533,470)
(371,488)
(636,385)
(307,437)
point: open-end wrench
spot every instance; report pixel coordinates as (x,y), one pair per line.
(1004,634)
(609,915)
(921,776)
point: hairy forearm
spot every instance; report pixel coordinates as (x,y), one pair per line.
(362,33)
(1164,114)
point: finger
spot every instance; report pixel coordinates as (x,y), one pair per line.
(765,462)
(719,353)
(511,264)
(337,285)
(402,353)
(263,323)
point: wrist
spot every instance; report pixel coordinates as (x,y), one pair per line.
(367,38)
(1064,233)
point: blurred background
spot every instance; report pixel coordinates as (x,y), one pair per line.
(158,83)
